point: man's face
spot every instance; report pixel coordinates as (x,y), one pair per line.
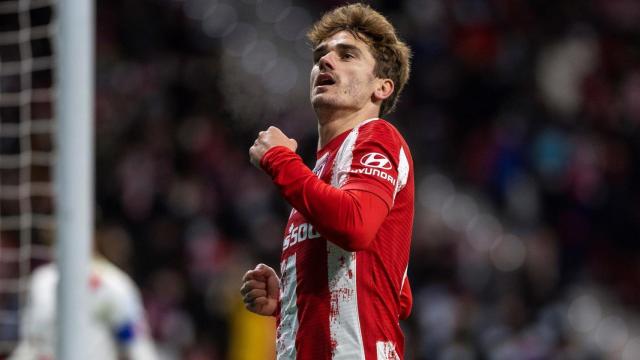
(342,74)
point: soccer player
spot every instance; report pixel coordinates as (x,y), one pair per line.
(117,327)
(343,284)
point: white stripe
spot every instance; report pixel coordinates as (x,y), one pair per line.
(342,163)
(344,319)
(288,329)
(367,121)
(404,278)
(403,172)
(386,350)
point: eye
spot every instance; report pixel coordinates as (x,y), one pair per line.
(348,55)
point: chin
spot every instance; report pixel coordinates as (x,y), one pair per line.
(320,101)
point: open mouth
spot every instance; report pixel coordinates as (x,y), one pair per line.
(325,80)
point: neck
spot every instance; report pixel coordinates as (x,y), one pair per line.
(332,123)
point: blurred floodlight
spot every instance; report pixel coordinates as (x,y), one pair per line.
(584,313)
(458,210)
(631,350)
(509,253)
(272,10)
(483,231)
(282,77)
(199,9)
(241,39)
(294,24)
(434,190)
(260,58)
(561,70)
(611,334)
(221,21)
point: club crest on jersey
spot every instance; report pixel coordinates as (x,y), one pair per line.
(376,160)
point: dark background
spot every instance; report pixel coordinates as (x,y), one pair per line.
(523,118)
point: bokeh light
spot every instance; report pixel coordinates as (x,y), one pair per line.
(509,253)
(585,313)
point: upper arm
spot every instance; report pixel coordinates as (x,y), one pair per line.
(127,319)
(379,163)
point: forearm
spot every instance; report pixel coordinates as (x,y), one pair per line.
(348,218)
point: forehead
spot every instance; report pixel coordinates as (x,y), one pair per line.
(347,38)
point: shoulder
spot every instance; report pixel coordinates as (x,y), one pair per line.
(380,130)
(118,291)
(381,133)
(42,282)
(113,278)
(45,274)
(47,271)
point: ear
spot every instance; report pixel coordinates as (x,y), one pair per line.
(383,90)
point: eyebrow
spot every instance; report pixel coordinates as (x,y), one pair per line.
(321,49)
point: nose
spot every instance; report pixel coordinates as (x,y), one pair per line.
(326,62)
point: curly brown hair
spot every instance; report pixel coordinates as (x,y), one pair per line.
(391,54)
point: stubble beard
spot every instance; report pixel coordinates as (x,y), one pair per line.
(344,97)
(324,102)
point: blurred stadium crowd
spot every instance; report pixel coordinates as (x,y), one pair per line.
(523,118)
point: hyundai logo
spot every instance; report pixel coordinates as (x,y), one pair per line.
(376,160)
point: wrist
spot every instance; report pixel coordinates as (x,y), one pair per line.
(270,157)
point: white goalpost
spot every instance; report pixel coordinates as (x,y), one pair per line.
(46,160)
(74,172)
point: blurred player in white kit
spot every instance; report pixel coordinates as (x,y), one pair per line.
(118,328)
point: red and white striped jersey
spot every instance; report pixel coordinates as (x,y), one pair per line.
(340,304)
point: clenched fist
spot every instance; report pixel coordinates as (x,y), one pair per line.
(266,140)
(260,290)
